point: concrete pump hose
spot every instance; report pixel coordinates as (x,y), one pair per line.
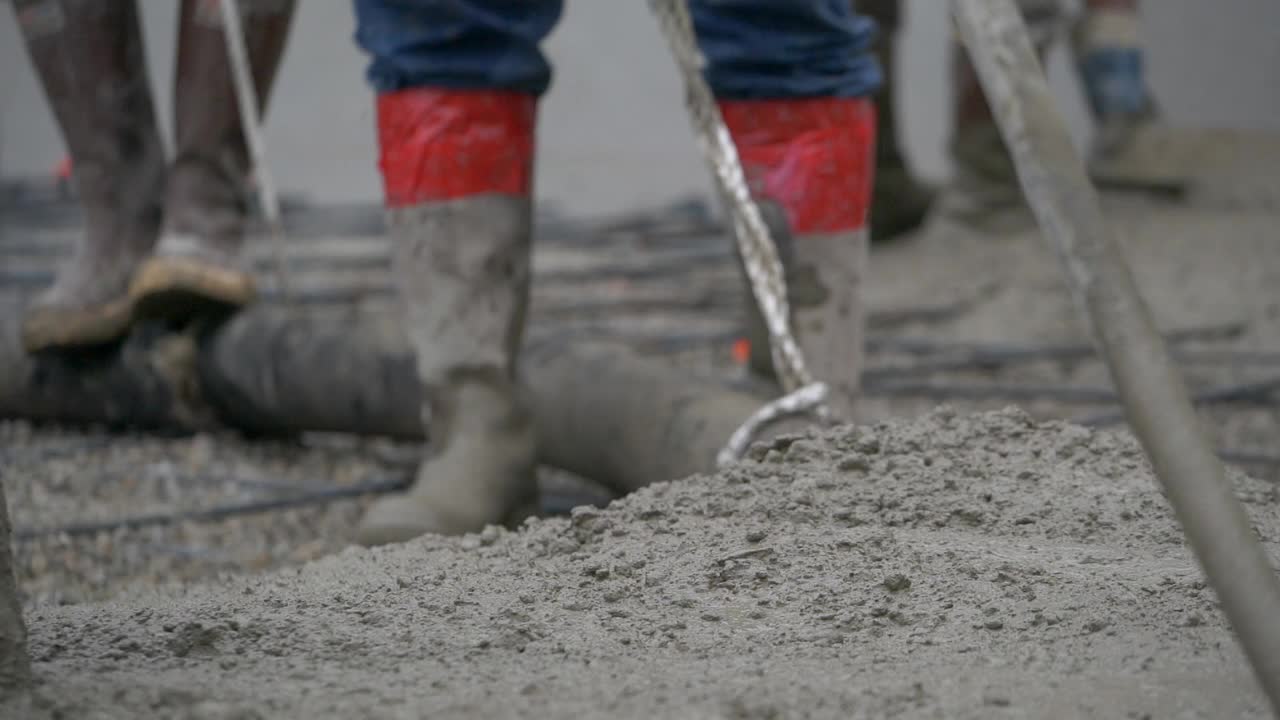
(1155,397)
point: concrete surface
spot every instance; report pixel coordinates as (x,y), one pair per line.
(949,566)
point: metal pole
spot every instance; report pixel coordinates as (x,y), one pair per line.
(1154,394)
(247,99)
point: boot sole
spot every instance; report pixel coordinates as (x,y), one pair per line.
(1138,177)
(66,328)
(374,531)
(182,288)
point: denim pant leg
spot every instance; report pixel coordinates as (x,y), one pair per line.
(461,44)
(766,49)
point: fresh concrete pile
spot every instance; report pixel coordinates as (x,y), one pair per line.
(972,566)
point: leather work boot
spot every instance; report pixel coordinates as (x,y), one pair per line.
(899,201)
(198,265)
(816,205)
(460,220)
(984,193)
(90,59)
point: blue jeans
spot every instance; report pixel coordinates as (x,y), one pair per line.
(755,49)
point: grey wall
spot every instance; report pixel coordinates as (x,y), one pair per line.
(613,134)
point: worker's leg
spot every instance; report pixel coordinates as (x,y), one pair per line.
(794,79)
(90,60)
(984,189)
(1109,54)
(198,265)
(457,87)
(899,201)
(1131,146)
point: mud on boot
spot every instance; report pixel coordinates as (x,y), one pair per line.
(92,65)
(984,194)
(1132,148)
(457,170)
(198,267)
(809,164)
(462,269)
(825,276)
(1141,153)
(481,473)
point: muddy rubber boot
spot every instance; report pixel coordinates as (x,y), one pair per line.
(983,193)
(1131,146)
(460,220)
(816,205)
(198,266)
(92,65)
(899,201)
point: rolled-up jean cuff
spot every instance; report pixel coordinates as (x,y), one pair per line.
(755,49)
(457,44)
(786,49)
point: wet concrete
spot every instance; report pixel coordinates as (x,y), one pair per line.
(970,566)
(958,565)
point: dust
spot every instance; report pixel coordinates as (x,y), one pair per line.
(966,566)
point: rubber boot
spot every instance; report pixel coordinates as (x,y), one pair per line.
(810,165)
(1131,147)
(198,266)
(984,193)
(457,168)
(90,59)
(899,201)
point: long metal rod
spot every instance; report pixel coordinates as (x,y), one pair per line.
(247,100)
(1154,394)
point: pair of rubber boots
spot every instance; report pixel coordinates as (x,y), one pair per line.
(460,217)
(161,239)
(1129,141)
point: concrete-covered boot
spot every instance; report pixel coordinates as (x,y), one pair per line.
(1131,147)
(90,59)
(456,168)
(198,265)
(984,193)
(809,163)
(899,200)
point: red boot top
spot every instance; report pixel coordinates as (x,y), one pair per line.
(814,157)
(438,144)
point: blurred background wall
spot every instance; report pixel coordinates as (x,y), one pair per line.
(613,134)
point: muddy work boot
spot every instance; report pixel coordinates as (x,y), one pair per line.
(1131,147)
(816,205)
(899,201)
(461,224)
(984,193)
(90,59)
(198,267)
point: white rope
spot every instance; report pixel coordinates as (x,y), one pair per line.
(805,400)
(759,253)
